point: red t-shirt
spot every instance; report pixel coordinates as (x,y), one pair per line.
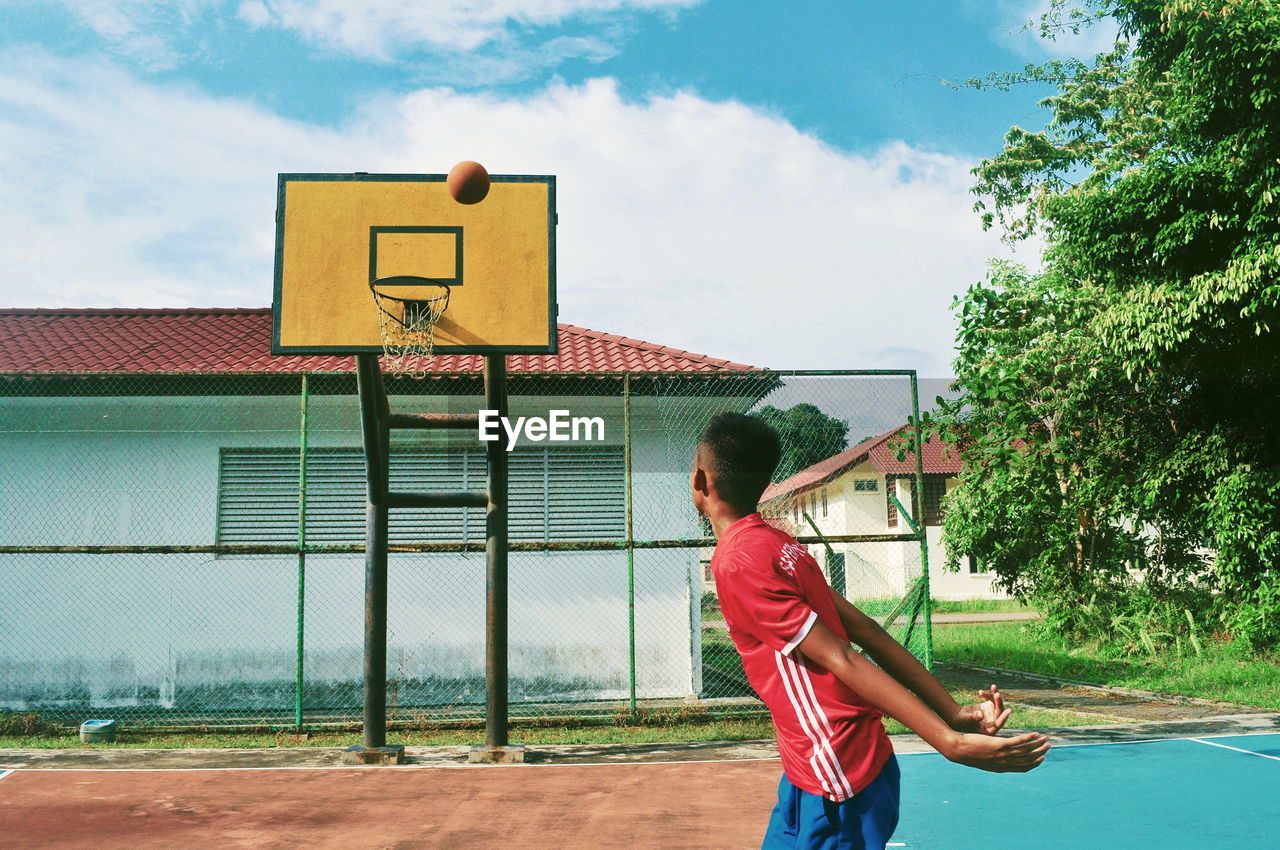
(772,592)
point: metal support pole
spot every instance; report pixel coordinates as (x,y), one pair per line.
(373,409)
(302,556)
(375,627)
(631,538)
(926,608)
(495,398)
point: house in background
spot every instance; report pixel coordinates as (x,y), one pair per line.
(178,428)
(848,493)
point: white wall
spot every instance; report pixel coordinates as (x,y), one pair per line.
(155,629)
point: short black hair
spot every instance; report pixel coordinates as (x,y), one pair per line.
(742,452)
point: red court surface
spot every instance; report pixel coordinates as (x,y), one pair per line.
(669,805)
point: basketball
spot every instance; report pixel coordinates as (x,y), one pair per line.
(468,182)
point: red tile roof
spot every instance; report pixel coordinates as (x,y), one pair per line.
(881,451)
(221,341)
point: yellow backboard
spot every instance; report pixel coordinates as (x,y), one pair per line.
(335,233)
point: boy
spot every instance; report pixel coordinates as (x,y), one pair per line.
(839,787)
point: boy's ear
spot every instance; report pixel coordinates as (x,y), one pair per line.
(700,480)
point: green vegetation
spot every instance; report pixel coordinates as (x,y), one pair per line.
(26,724)
(1113,406)
(722,674)
(657,728)
(808,435)
(1021,718)
(979,606)
(1215,674)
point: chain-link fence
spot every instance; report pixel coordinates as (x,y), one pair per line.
(184,550)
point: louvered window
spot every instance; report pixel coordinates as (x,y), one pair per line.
(569,493)
(935,487)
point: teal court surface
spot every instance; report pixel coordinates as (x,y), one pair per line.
(1206,791)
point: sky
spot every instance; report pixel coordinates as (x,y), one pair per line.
(779,184)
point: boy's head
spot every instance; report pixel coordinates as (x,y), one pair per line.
(735,460)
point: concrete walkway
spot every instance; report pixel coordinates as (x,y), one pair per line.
(318,757)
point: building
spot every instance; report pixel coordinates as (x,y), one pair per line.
(849,493)
(140,448)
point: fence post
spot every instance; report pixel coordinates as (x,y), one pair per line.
(302,556)
(631,549)
(927,601)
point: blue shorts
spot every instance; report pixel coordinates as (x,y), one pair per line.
(804,821)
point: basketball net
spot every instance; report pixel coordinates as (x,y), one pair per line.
(407,327)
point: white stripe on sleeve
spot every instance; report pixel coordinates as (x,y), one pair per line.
(802,634)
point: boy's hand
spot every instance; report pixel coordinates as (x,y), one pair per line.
(999,755)
(986,717)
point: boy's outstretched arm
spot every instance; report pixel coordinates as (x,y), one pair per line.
(1000,755)
(987,717)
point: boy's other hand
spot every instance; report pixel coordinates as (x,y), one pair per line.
(986,717)
(999,755)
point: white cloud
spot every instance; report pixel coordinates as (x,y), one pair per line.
(146,31)
(1096,38)
(697,224)
(119,193)
(254,13)
(160,34)
(381,28)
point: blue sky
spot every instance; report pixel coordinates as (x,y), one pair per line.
(783,184)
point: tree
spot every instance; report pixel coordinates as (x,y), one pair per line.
(808,436)
(1045,415)
(1154,188)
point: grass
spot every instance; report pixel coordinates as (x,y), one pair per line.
(979,606)
(728,729)
(1217,674)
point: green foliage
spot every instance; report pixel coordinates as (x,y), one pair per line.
(1256,622)
(23,723)
(808,436)
(1115,406)
(1042,416)
(978,606)
(683,724)
(1142,619)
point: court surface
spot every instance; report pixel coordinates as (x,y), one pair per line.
(1204,792)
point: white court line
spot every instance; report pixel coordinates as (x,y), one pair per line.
(1237,749)
(4,773)
(1198,739)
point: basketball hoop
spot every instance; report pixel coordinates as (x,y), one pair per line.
(407,324)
